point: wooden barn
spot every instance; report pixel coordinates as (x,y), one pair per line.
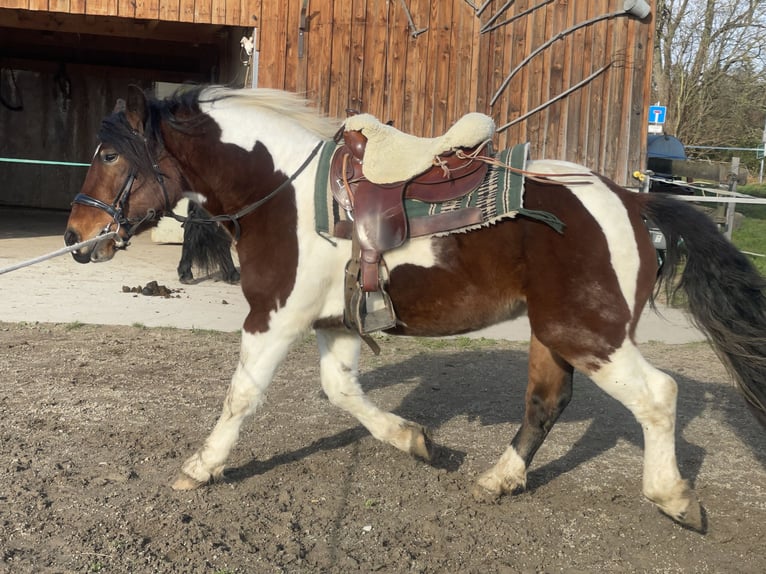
(571,77)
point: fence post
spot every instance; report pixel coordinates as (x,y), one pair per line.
(731,206)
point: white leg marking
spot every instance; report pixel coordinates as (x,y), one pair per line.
(650,395)
(508,474)
(259,357)
(338,366)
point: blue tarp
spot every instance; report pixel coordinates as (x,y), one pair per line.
(664,147)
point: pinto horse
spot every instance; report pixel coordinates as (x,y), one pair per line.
(250,157)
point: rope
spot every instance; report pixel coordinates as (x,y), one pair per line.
(58,252)
(42,162)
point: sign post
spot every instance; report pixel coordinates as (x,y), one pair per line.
(656,118)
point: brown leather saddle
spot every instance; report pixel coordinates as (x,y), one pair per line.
(380,222)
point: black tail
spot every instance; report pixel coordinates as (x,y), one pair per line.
(725,292)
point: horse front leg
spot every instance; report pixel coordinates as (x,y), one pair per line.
(339,350)
(260,355)
(548,393)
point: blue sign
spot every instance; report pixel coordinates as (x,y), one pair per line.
(657,114)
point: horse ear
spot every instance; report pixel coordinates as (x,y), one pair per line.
(136,103)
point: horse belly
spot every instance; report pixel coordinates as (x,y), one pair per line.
(459,283)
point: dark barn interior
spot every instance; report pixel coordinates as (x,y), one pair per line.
(61,73)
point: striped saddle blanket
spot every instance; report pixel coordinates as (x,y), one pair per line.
(499,196)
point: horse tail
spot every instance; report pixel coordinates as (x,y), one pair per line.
(725,292)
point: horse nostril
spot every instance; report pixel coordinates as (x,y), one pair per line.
(70,237)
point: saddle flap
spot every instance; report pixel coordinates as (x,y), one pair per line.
(379,217)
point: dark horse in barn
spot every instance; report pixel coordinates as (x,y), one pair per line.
(206,246)
(349,246)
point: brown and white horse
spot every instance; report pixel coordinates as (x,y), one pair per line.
(249,157)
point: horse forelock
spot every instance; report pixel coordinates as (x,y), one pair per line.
(117,131)
(143,145)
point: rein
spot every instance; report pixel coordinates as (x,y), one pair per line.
(248,209)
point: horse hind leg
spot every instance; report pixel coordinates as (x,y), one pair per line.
(339,351)
(548,393)
(651,395)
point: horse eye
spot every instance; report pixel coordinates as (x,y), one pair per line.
(109,156)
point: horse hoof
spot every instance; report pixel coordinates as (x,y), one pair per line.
(232,277)
(421,445)
(684,508)
(186,482)
(186,278)
(484,495)
(692,518)
(492,484)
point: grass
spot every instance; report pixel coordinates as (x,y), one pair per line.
(751,236)
(757,189)
(436,344)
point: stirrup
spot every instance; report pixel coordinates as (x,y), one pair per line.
(379,312)
(373,311)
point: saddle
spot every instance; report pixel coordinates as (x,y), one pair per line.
(372,174)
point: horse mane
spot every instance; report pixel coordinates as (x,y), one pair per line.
(182,111)
(283,103)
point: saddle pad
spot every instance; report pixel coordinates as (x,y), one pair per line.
(500,195)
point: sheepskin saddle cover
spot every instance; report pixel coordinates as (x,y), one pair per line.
(391,155)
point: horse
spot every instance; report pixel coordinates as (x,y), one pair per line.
(251,158)
(206,246)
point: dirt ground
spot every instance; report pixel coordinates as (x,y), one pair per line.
(96,420)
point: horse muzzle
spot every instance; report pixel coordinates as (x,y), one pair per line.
(100,252)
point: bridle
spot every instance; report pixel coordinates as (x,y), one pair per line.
(118,207)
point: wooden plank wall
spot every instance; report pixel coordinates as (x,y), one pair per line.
(361,54)
(223,12)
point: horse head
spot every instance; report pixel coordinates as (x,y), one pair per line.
(130,184)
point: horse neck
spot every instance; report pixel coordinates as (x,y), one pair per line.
(233,169)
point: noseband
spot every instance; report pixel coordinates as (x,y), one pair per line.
(117,209)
